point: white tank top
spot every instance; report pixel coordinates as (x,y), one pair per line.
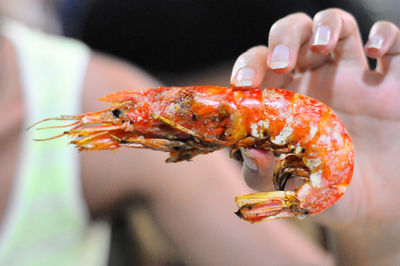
(47,221)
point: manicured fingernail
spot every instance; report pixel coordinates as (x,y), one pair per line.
(322,35)
(375,41)
(245,77)
(279,57)
(249,159)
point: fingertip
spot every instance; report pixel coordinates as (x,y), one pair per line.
(322,42)
(250,169)
(373,47)
(249,160)
(322,49)
(321,36)
(258,168)
(249,68)
(336,31)
(373,53)
(281,60)
(382,40)
(244,77)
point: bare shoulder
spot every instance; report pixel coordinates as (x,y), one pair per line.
(101,171)
(106,74)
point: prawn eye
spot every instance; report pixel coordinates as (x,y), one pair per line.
(116,113)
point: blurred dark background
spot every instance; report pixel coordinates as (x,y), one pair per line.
(175,36)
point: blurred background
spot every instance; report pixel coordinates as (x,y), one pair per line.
(181,43)
(175,39)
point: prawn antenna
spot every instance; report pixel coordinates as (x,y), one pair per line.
(54,137)
(63,117)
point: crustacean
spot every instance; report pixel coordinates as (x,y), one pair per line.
(309,138)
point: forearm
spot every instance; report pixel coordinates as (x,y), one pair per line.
(193,202)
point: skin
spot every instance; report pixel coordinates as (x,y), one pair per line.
(192,202)
(365,219)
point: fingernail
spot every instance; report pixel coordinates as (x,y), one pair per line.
(322,35)
(279,57)
(249,159)
(245,77)
(375,41)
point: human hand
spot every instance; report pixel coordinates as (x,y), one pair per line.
(330,62)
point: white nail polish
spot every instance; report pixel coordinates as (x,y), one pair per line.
(245,77)
(322,35)
(375,41)
(249,160)
(279,57)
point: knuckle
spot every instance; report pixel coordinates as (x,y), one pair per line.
(296,17)
(250,55)
(293,23)
(323,14)
(334,13)
(290,21)
(337,18)
(387,30)
(329,12)
(253,52)
(385,25)
(256,49)
(277,26)
(241,61)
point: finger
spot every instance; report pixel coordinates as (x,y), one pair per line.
(336,31)
(384,44)
(293,32)
(258,169)
(250,70)
(286,37)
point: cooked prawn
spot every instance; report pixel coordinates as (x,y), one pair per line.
(312,143)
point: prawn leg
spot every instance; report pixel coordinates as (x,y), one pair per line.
(151,143)
(243,145)
(181,150)
(291,166)
(261,206)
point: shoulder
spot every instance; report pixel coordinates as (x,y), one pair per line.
(106,74)
(102,170)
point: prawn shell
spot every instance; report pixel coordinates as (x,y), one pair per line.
(328,146)
(278,109)
(202,119)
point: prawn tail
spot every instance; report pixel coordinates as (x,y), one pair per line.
(257,207)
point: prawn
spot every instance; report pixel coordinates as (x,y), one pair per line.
(312,143)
